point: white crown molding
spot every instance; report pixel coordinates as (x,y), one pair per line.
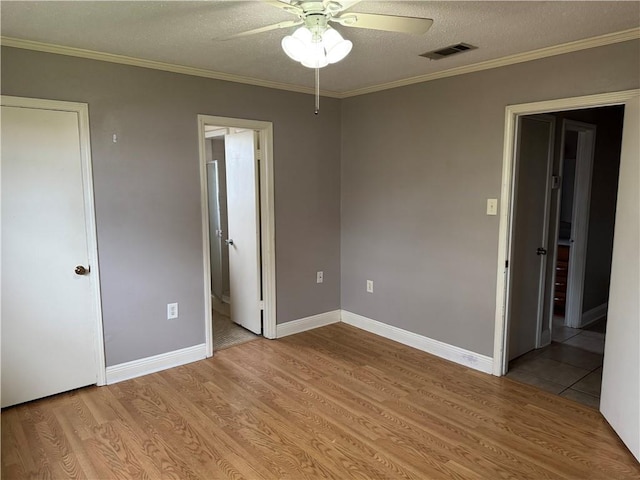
(592,42)
(167,67)
(602,40)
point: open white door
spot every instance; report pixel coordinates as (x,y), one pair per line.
(530,233)
(243,239)
(50,310)
(579,219)
(620,397)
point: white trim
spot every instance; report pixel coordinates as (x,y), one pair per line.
(165,67)
(607,39)
(541,340)
(592,42)
(267,220)
(455,354)
(593,315)
(82,110)
(579,218)
(156,363)
(511,114)
(307,323)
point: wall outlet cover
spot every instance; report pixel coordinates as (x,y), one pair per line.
(172,311)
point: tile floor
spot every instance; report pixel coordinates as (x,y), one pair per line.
(570,367)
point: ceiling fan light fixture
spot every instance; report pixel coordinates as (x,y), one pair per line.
(336,47)
(315,56)
(314,49)
(296,45)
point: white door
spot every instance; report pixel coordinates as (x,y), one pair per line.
(49,312)
(579,219)
(530,233)
(243,235)
(620,397)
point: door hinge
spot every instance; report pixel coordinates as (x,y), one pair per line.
(506,264)
(261,304)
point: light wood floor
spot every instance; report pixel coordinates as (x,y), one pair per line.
(331,403)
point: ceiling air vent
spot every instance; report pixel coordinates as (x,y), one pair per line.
(448,51)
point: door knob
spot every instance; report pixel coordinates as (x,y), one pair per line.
(229,241)
(541,251)
(80,270)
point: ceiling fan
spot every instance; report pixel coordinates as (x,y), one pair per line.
(315,44)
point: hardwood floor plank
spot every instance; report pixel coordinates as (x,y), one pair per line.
(332,423)
(335,402)
(281,400)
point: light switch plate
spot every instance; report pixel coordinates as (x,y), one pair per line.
(319,277)
(369,286)
(492,206)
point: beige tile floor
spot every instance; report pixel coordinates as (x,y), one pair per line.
(570,367)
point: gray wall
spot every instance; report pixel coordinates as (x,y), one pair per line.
(411,177)
(418,164)
(604,190)
(147,191)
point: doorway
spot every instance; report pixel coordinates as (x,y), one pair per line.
(619,373)
(236,173)
(561,348)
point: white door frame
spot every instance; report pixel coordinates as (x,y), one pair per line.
(512,112)
(82,110)
(267,221)
(579,219)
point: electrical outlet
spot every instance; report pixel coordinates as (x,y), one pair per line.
(369,286)
(319,277)
(172,311)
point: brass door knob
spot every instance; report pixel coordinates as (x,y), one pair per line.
(80,270)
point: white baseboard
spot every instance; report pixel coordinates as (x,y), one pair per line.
(593,315)
(426,344)
(307,323)
(145,366)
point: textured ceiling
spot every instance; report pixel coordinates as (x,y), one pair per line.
(188,33)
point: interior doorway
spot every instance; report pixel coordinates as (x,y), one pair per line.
(620,394)
(238,229)
(558,304)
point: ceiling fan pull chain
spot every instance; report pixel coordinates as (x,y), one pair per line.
(317,91)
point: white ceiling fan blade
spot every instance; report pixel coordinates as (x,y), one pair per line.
(276,26)
(339,5)
(389,23)
(284,5)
